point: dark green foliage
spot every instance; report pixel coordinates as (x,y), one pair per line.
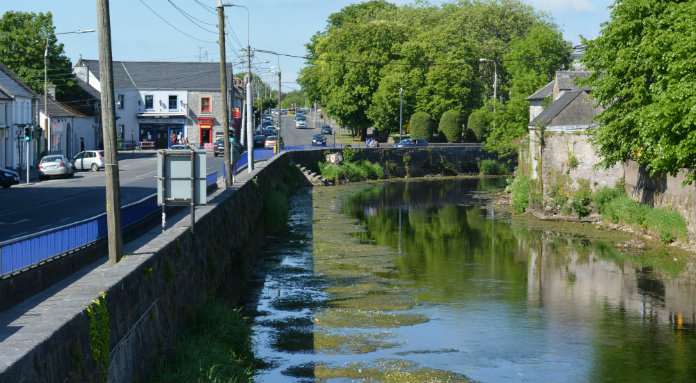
(352,171)
(519,193)
(348,154)
(643,74)
(451,125)
(479,122)
(582,198)
(492,167)
(604,195)
(22,45)
(216,347)
(421,126)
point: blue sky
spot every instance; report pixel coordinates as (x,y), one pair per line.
(284,26)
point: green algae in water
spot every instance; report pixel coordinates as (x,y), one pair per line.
(387,371)
(368,319)
(353,343)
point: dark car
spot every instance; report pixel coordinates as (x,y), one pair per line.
(8,178)
(318,140)
(259,140)
(220,147)
(326,129)
(409,142)
(270,132)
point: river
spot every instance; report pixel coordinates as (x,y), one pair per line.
(425,281)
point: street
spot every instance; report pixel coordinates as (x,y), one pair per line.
(43,205)
(296,137)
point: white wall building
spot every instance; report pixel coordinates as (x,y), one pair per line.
(16,113)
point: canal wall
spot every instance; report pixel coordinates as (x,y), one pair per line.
(150,295)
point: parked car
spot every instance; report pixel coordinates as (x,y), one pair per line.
(220,147)
(89,159)
(300,124)
(318,140)
(8,178)
(55,165)
(409,142)
(259,140)
(181,147)
(326,129)
(271,142)
(270,132)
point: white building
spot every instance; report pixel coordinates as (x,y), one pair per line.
(154,104)
(16,114)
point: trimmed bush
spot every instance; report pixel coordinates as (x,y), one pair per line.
(451,125)
(421,126)
(479,122)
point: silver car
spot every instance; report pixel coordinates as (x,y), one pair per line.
(89,159)
(55,165)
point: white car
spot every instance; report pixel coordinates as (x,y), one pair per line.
(301,124)
(89,159)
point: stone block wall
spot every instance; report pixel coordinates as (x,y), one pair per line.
(666,192)
(556,160)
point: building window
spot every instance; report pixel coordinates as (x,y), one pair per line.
(172,102)
(120,101)
(205,105)
(149,102)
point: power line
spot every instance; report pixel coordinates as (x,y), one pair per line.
(171,25)
(206,7)
(192,19)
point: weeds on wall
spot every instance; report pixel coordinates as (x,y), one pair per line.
(351,170)
(99,333)
(493,167)
(216,347)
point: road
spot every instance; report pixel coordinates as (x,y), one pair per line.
(47,204)
(295,137)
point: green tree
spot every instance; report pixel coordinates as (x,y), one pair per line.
(451,125)
(421,126)
(644,74)
(22,43)
(479,122)
(295,97)
(532,62)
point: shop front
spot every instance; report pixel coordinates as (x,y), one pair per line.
(161,132)
(205,125)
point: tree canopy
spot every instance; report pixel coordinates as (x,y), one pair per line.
(368,52)
(23,37)
(645,77)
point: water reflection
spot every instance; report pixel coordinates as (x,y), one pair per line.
(424,280)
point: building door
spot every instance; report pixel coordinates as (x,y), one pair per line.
(163,140)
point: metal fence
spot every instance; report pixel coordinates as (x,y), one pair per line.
(24,252)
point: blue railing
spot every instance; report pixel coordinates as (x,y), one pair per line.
(24,252)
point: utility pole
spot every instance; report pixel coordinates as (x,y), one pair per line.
(401,113)
(113,191)
(223,92)
(250,113)
(279,131)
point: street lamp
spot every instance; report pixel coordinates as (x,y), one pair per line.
(401,112)
(495,75)
(249,98)
(46,125)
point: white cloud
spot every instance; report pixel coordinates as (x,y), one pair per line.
(563,6)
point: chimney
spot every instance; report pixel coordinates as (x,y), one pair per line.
(51,91)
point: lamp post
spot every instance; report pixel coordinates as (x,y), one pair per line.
(46,126)
(249,98)
(495,75)
(401,113)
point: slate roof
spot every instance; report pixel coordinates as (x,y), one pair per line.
(13,86)
(565,79)
(59,109)
(542,93)
(555,108)
(193,76)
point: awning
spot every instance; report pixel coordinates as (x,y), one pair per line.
(205,122)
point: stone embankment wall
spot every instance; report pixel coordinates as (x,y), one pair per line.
(663,192)
(151,293)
